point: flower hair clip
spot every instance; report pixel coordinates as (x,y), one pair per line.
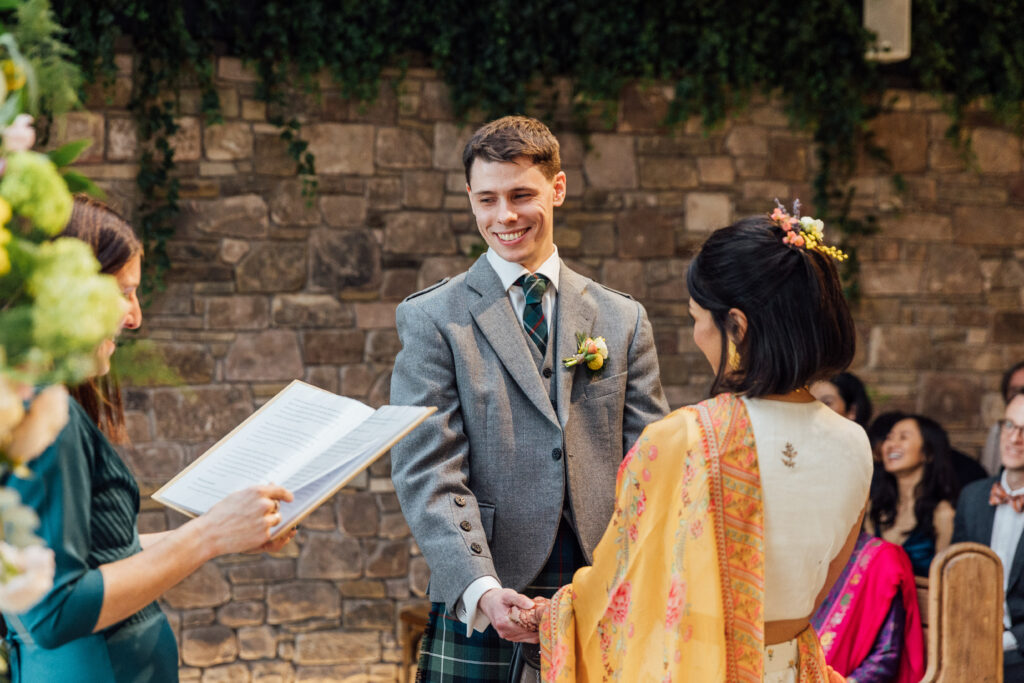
(805,231)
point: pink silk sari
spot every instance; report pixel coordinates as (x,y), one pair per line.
(879,573)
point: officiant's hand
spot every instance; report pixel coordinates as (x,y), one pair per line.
(496,604)
(244,519)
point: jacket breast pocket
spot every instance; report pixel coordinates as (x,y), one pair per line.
(605,386)
(487,519)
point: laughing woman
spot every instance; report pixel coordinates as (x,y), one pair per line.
(100,622)
(733,516)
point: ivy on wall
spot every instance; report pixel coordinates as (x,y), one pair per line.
(497,56)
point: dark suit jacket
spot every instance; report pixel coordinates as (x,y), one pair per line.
(973,522)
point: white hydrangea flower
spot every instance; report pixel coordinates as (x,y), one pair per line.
(813,226)
(27,576)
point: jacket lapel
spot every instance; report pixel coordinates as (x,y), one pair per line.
(497,321)
(574,313)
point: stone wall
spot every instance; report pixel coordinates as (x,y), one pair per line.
(265,288)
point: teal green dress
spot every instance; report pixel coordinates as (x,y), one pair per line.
(88,504)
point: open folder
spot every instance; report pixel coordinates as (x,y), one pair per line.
(308,440)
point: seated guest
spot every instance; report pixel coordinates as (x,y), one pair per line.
(845,394)
(870,624)
(1012,384)
(965,468)
(991,512)
(911,496)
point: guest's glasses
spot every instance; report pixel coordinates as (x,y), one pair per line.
(1010,428)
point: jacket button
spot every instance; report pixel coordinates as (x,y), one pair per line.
(460,501)
(546,372)
(556,454)
(466,526)
(476,548)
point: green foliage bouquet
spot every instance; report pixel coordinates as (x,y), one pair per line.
(55,306)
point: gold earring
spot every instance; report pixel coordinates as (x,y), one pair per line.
(734,357)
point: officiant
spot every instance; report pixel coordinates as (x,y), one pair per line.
(509,485)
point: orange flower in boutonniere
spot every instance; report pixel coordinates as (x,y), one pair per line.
(590,350)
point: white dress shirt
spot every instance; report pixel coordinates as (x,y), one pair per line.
(1007,526)
(508,273)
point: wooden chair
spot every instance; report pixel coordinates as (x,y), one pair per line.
(412,624)
(964,616)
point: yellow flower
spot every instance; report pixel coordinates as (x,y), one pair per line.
(5,217)
(13,74)
(596,363)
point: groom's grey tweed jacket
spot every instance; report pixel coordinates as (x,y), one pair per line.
(482,481)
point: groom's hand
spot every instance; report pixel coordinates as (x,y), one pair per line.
(496,604)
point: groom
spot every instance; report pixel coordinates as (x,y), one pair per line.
(509,485)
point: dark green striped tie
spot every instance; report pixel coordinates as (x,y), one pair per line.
(533,313)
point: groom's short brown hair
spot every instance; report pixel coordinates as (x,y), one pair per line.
(511,137)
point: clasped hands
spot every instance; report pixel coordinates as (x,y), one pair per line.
(514,616)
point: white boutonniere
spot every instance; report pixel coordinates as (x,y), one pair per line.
(590,350)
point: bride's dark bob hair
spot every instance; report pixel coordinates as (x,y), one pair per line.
(799,327)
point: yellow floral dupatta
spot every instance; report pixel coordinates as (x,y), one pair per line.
(676,592)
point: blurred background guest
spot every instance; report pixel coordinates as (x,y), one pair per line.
(912,494)
(1011,385)
(845,394)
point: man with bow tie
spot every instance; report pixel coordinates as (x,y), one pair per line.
(991,511)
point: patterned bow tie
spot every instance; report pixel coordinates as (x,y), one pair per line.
(998,496)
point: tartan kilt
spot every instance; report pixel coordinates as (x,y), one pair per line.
(447,655)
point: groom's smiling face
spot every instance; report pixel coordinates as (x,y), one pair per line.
(513,203)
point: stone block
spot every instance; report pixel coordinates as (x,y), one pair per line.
(330,555)
(1008,327)
(201,413)
(930,227)
(385,559)
(237,312)
(242,613)
(263,570)
(341,148)
(995,225)
(343,211)
(228,141)
(716,170)
(423,189)
(272,672)
(667,173)
(156,462)
(707,211)
(346,260)
(645,233)
(122,139)
(227,673)
(363,589)
(310,310)
(643,108)
(890,278)
(904,137)
(337,647)
(298,600)
(77,125)
(953,399)
(375,315)
(336,347)
(192,362)
(996,151)
(272,267)
(952,270)
(289,207)
(264,356)
(257,642)
(233,69)
(449,142)
(419,576)
(243,216)
(415,232)
(270,156)
(610,163)
(208,645)
(625,276)
(394,526)
(187,140)
(368,614)
(787,159)
(384,193)
(899,348)
(382,345)
(402,148)
(357,380)
(357,513)
(747,141)
(435,102)
(254,110)
(232,250)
